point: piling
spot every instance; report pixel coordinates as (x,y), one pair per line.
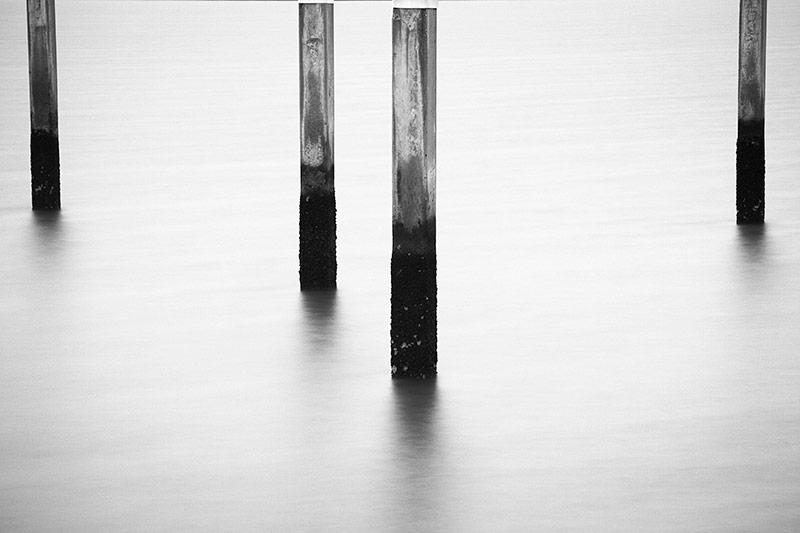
(750,161)
(317,196)
(413,264)
(42,76)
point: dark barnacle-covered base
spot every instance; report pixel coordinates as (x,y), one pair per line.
(413,329)
(45,173)
(750,170)
(318,238)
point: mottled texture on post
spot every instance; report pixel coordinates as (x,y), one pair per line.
(750,164)
(42,76)
(413,268)
(317,196)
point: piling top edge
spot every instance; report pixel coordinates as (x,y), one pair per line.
(420,4)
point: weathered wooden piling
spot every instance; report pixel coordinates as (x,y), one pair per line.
(413,267)
(317,195)
(750,164)
(42,76)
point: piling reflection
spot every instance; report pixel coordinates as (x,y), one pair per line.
(418,458)
(753,271)
(415,409)
(753,301)
(752,242)
(47,230)
(319,318)
(45,310)
(46,222)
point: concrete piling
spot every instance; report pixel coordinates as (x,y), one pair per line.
(317,195)
(413,264)
(750,160)
(42,76)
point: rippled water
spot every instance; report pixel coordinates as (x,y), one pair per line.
(615,353)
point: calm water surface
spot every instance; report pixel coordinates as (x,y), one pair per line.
(615,354)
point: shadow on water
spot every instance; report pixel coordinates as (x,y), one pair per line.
(320,318)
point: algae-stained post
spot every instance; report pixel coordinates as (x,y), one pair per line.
(750,164)
(317,196)
(42,76)
(413,266)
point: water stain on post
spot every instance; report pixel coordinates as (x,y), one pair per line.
(413,265)
(317,195)
(42,77)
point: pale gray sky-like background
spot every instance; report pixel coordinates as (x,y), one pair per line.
(615,354)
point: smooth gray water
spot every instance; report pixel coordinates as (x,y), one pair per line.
(615,354)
